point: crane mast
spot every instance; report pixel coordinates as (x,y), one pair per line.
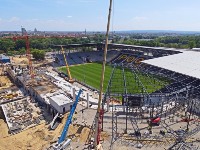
(67,66)
(29,56)
(99,111)
(28,53)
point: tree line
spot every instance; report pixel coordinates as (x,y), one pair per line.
(10,46)
(168,41)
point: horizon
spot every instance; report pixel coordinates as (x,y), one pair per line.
(168,31)
(78,15)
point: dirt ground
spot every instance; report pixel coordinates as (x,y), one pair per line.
(19,60)
(5,82)
(38,137)
(23,61)
(3,129)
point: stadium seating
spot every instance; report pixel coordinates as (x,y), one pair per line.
(127,57)
(113,56)
(84,57)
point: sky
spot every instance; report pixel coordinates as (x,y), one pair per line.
(78,15)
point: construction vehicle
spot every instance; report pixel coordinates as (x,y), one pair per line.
(70,80)
(10,95)
(62,141)
(155,121)
(56,121)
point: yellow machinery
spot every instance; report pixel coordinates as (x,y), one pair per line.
(67,67)
(11,95)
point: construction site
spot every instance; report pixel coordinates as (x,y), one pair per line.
(29,104)
(151,100)
(42,109)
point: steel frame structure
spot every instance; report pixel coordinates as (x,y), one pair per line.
(182,90)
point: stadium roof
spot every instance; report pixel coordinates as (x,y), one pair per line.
(187,63)
(153,48)
(113,45)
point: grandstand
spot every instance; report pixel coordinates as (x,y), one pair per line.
(117,53)
(182,69)
(127,56)
(85,57)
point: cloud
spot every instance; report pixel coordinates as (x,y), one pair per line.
(139,18)
(14,19)
(69,16)
(34,19)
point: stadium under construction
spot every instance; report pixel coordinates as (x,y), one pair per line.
(180,96)
(151,99)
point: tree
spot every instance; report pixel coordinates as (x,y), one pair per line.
(191,44)
(6,45)
(38,54)
(21,43)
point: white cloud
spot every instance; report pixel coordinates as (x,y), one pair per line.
(69,16)
(139,18)
(34,19)
(14,19)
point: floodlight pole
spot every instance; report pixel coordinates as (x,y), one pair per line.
(102,79)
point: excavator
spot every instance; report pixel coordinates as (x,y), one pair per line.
(70,80)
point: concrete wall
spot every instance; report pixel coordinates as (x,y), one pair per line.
(62,107)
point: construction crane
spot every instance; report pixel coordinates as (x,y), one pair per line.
(99,111)
(70,80)
(62,143)
(28,52)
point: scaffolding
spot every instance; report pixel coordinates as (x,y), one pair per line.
(137,93)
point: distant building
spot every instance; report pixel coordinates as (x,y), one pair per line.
(23,31)
(35,31)
(4,59)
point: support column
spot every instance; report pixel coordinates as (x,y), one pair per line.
(74,95)
(108,107)
(87,100)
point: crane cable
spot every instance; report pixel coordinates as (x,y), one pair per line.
(102,75)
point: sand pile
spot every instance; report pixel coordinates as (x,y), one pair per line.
(104,136)
(34,138)
(39,134)
(84,134)
(3,129)
(5,82)
(19,60)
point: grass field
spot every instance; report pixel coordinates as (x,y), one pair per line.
(91,73)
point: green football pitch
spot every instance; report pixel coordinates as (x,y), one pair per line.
(90,74)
